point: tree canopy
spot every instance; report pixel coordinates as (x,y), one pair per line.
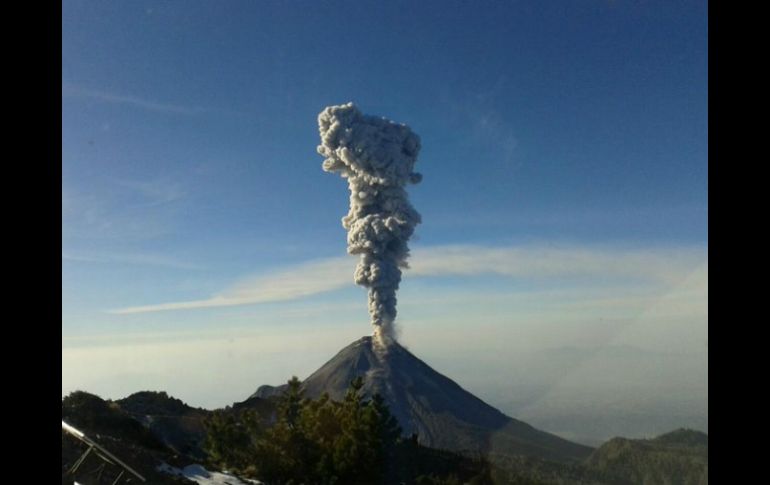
(309,441)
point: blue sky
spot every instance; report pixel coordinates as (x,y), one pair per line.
(566,138)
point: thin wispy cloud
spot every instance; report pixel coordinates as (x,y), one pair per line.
(292,283)
(154,192)
(123,209)
(150,105)
(666,265)
(138,259)
(659,267)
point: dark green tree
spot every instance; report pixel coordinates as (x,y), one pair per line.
(231,438)
(317,441)
(286,453)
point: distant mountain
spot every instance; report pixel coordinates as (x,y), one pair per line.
(266,391)
(94,415)
(177,425)
(684,437)
(515,452)
(113,428)
(440,412)
(676,458)
(174,423)
(152,402)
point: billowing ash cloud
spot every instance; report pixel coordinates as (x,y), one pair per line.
(377,156)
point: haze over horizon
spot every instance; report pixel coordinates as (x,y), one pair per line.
(564,201)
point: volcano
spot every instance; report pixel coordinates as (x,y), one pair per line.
(429,404)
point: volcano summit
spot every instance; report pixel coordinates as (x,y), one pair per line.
(425,402)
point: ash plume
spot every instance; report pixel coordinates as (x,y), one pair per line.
(377,157)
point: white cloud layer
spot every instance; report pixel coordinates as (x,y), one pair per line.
(658,266)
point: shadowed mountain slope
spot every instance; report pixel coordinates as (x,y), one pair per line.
(442,413)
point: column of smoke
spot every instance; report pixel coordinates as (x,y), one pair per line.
(377,157)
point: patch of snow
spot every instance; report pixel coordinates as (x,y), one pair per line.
(201,476)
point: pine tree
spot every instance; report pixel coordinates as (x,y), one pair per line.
(230,438)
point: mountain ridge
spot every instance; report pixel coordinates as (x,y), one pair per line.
(434,407)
